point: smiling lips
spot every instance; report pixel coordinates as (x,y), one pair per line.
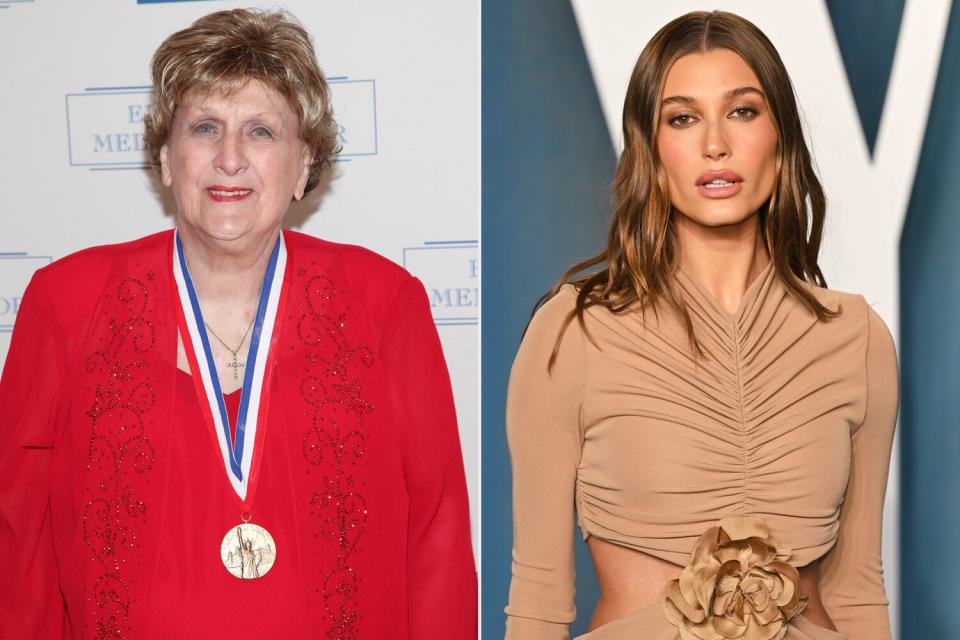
(220,193)
(719,184)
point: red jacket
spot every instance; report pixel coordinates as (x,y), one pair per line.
(113,501)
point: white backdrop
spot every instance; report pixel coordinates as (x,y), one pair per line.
(405,78)
(867,198)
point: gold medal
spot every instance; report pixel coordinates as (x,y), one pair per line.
(248,551)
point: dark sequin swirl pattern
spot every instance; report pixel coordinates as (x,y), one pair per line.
(119,453)
(333,386)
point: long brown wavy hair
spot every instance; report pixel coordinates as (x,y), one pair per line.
(640,260)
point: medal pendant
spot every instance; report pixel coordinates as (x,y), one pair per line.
(248,551)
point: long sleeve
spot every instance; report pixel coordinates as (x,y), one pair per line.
(543,433)
(442,578)
(852,573)
(30,602)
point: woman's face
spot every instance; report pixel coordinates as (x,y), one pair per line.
(234,162)
(716,139)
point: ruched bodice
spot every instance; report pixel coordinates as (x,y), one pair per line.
(673,443)
(651,444)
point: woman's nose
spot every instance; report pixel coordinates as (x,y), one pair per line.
(231,158)
(715,146)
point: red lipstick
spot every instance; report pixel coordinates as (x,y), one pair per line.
(221,193)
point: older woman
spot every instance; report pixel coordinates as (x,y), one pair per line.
(229,428)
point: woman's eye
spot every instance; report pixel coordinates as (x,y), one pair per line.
(205,128)
(261,132)
(681,120)
(744,113)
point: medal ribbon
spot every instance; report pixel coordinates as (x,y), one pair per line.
(237,457)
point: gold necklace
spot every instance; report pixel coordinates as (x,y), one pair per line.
(236,365)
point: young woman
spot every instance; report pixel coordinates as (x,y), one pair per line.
(718,420)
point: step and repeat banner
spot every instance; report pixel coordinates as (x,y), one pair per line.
(879,88)
(405,81)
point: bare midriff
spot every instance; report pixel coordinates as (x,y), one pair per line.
(632,580)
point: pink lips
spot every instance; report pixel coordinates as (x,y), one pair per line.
(220,193)
(734,186)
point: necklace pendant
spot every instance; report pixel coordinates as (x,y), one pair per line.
(248,551)
(236,366)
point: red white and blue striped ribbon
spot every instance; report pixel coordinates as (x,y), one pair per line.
(238,453)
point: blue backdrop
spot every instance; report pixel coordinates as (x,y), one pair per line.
(547,162)
(930,368)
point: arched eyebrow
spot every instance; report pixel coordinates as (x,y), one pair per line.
(736,93)
(690,101)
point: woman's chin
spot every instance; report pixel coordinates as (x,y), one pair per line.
(228,234)
(229,230)
(720,216)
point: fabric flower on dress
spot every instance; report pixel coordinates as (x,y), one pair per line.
(738,585)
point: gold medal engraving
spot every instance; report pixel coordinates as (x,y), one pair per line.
(248,551)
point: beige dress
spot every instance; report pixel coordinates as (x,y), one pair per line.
(787,419)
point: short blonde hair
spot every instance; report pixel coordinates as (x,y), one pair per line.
(223,51)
